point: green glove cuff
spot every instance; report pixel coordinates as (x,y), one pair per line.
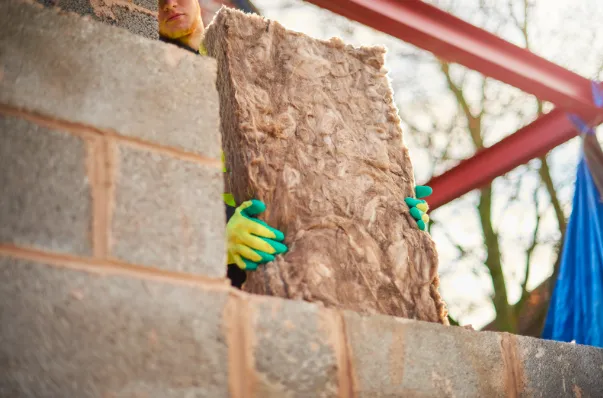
(229,199)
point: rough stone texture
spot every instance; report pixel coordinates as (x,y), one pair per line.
(45,201)
(293,350)
(400,358)
(136,99)
(560,369)
(138,20)
(168,213)
(82,7)
(66,333)
(310,128)
(148,4)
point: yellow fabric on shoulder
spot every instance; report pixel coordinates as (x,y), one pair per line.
(228,198)
(202,49)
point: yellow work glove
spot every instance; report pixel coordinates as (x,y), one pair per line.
(418,207)
(251,241)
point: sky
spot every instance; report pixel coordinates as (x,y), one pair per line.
(585,50)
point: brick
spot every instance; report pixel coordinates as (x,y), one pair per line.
(397,357)
(554,369)
(46,199)
(67,333)
(107,78)
(168,213)
(293,350)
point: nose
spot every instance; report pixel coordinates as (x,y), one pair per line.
(169,4)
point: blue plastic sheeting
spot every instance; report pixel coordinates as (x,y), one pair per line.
(576,311)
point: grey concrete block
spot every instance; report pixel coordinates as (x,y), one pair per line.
(394,357)
(293,350)
(136,22)
(66,333)
(554,369)
(148,4)
(53,3)
(82,7)
(87,72)
(168,213)
(46,199)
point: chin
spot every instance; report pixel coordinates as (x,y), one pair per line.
(176,31)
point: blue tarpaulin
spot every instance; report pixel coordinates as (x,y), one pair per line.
(576,308)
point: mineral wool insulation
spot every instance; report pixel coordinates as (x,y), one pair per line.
(310,128)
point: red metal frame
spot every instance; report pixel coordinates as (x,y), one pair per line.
(457,41)
(552,129)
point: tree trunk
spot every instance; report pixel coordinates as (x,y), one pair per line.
(505,320)
(310,128)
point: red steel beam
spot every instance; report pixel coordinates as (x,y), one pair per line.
(455,40)
(532,141)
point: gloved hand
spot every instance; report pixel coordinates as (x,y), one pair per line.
(251,241)
(419,207)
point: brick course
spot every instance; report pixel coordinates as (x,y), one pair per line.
(86,330)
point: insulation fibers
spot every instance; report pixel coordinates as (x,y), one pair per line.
(310,128)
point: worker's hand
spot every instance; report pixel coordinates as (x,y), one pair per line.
(251,241)
(418,207)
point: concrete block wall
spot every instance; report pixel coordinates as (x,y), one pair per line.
(137,16)
(112,276)
(100,160)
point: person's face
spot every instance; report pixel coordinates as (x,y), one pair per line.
(178,18)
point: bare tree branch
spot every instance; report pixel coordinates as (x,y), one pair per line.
(457,246)
(455,89)
(473,122)
(484,89)
(529,252)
